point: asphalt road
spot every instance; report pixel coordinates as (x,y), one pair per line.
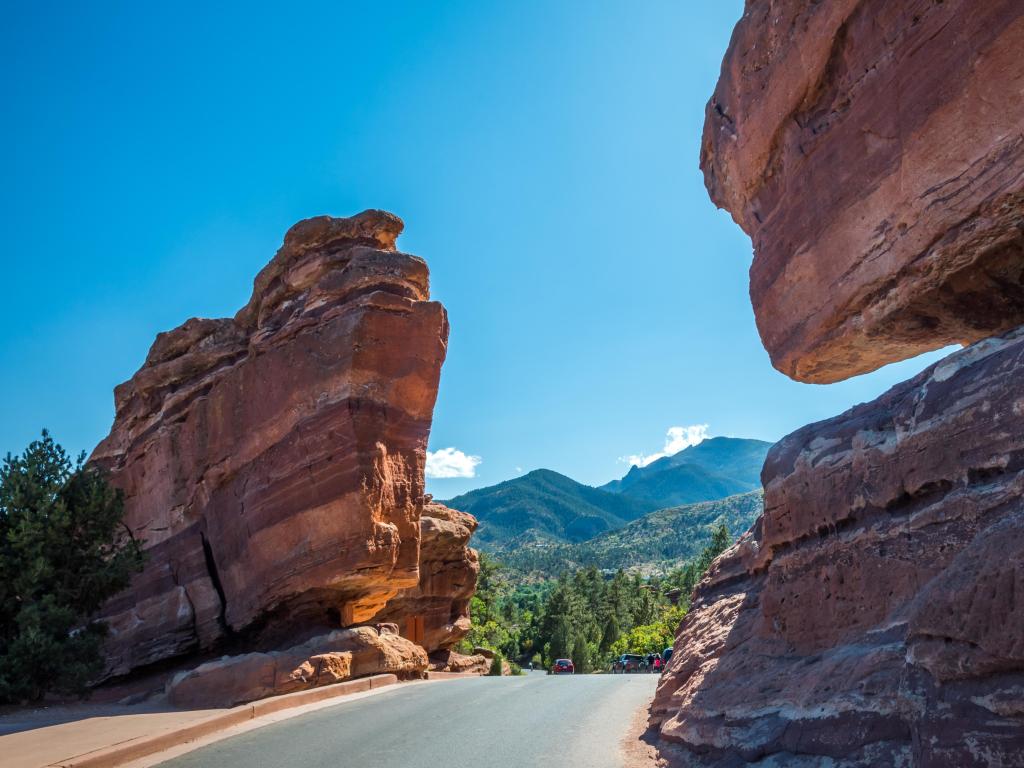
(535,720)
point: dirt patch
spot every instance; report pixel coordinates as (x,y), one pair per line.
(639,746)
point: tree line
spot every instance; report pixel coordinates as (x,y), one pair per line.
(588,615)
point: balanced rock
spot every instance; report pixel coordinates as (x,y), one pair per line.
(874,152)
(435,612)
(273,462)
(873,615)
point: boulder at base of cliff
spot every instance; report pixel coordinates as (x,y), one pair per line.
(452,661)
(340,655)
(435,612)
(874,615)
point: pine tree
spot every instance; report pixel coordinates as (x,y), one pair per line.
(63,552)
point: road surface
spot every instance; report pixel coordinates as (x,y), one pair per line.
(535,720)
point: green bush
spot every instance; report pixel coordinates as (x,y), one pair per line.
(495,670)
(63,552)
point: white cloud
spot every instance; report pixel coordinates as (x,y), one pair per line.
(451,462)
(676,439)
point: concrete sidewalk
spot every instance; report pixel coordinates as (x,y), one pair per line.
(98,736)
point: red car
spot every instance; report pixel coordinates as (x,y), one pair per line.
(563,667)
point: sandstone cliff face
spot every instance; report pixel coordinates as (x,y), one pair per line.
(435,612)
(874,152)
(273,462)
(873,616)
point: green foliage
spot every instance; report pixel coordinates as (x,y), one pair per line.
(686,578)
(496,669)
(63,552)
(587,616)
(684,484)
(653,637)
(654,543)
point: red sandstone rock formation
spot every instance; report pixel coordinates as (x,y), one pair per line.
(874,152)
(435,613)
(452,661)
(274,462)
(874,614)
(332,658)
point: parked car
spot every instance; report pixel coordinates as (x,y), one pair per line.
(563,667)
(631,662)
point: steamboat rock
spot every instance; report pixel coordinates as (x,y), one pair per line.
(273,462)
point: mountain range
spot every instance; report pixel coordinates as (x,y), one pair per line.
(545,507)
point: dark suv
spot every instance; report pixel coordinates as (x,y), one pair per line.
(631,662)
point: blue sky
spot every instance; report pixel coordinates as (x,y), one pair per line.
(543,157)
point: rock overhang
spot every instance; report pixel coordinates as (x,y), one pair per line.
(874,152)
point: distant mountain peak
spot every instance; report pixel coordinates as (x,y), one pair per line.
(737,458)
(545,505)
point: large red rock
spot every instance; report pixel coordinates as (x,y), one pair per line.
(435,612)
(273,462)
(874,152)
(332,658)
(874,614)
(447,660)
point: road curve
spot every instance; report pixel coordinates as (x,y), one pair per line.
(570,721)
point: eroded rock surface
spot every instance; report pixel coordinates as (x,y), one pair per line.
(331,658)
(874,615)
(874,151)
(452,661)
(273,462)
(435,612)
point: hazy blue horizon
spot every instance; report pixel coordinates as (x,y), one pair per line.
(544,159)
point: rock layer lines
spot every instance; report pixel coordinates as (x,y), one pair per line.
(874,614)
(874,152)
(273,462)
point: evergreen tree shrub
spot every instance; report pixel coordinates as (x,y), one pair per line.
(63,552)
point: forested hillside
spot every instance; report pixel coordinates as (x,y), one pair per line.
(588,616)
(655,543)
